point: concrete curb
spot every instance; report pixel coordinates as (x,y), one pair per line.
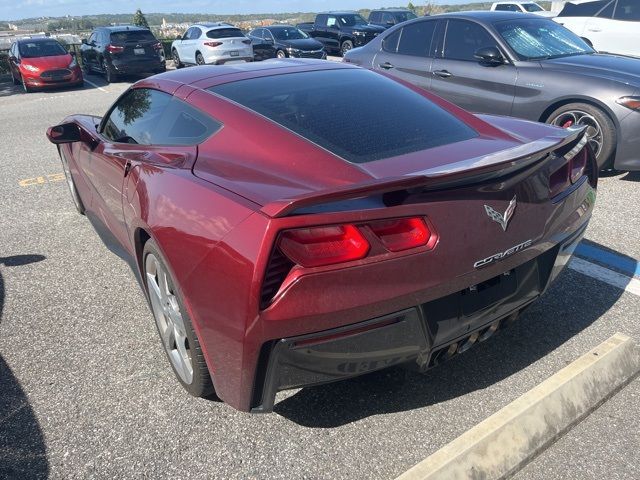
(506,441)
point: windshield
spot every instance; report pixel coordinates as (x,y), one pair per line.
(352,20)
(532,7)
(539,39)
(47,48)
(288,33)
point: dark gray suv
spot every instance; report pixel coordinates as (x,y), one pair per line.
(521,65)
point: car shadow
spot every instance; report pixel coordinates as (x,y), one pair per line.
(536,333)
(23,452)
(631,177)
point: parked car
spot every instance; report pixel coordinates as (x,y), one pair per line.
(339,32)
(521,65)
(299,222)
(117,51)
(607,25)
(521,7)
(37,63)
(213,44)
(282,41)
(389,17)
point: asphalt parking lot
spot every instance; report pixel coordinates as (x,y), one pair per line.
(86,390)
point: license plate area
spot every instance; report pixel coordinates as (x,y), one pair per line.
(486,294)
(138,51)
(234,53)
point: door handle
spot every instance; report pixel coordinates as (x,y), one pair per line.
(386,66)
(442,73)
(594,29)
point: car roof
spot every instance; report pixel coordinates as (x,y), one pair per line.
(206,76)
(391,10)
(213,25)
(487,17)
(340,12)
(123,28)
(280,25)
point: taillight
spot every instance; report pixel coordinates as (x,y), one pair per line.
(402,233)
(114,48)
(316,246)
(157,46)
(559,180)
(246,42)
(578,165)
(213,44)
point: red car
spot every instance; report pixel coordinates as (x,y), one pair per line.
(43,63)
(297,222)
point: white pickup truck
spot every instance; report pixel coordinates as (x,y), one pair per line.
(521,7)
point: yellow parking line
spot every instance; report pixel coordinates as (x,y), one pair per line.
(43,180)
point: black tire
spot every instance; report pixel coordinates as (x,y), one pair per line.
(176,59)
(281,54)
(199,59)
(109,76)
(605,146)
(15,80)
(345,47)
(25,87)
(75,196)
(201,384)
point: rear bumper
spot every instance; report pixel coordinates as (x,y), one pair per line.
(147,66)
(423,336)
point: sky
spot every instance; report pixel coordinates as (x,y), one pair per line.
(18,9)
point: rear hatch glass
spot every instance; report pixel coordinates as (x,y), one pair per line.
(225,33)
(357,115)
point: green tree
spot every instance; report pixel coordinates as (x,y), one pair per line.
(139,20)
(411,6)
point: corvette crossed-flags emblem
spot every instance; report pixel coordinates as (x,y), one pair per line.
(503,220)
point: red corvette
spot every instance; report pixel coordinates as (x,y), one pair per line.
(297,222)
(43,63)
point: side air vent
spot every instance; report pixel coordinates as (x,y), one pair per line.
(277,270)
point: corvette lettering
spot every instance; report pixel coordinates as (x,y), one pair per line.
(501,255)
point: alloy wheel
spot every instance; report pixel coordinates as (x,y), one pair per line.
(168,316)
(107,73)
(577,117)
(281,54)
(199,59)
(176,59)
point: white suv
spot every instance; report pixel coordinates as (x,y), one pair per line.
(611,26)
(211,43)
(521,7)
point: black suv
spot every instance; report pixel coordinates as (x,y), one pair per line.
(389,17)
(115,51)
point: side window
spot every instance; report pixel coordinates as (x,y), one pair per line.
(628,10)
(607,12)
(150,117)
(135,117)
(331,21)
(374,17)
(390,43)
(464,38)
(588,9)
(507,7)
(195,33)
(388,18)
(416,38)
(321,20)
(268,35)
(92,38)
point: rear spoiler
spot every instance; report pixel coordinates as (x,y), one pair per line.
(453,174)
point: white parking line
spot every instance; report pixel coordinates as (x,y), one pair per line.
(96,86)
(628,284)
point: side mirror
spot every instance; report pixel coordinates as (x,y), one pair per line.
(489,55)
(390,23)
(84,41)
(64,133)
(270,41)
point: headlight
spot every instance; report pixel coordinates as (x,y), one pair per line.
(293,50)
(31,68)
(630,102)
(73,63)
(359,34)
